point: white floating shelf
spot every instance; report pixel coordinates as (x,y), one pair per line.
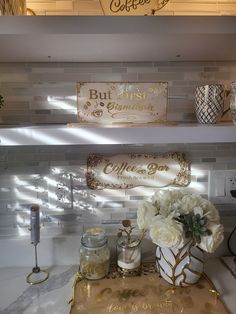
(74,135)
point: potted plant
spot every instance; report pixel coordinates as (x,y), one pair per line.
(182,225)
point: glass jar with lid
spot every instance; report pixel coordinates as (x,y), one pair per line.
(94,254)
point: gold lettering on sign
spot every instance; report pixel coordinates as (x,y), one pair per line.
(119,169)
(94,94)
(132,95)
(131,170)
(126,5)
(132,7)
(112,106)
(118,308)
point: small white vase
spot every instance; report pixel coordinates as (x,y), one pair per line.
(180,267)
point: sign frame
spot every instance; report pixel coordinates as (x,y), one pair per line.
(90,114)
(181,178)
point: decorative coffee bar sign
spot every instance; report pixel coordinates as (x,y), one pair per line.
(132,170)
(132,7)
(117,103)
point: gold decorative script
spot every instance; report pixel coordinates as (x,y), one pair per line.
(112,103)
(131,170)
(145,294)
(132,7)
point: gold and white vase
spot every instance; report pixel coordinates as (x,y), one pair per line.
(180,266)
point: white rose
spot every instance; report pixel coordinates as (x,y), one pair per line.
(145,214)
(189,202)
(212,213)
(198,210)
(166,232)
(211,242)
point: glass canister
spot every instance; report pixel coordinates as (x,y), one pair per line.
(94,254)
(233,101)
(129,256)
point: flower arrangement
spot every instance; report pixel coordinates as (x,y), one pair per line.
(174,216)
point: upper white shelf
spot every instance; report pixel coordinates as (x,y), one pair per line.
(117,39)
(74,135)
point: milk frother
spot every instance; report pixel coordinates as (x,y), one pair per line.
(37,275)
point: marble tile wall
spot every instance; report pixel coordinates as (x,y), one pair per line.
(46,92)
(54,177)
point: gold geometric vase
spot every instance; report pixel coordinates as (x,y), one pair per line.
(180,266)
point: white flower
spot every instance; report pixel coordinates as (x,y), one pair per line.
(212,213)
(189,202)
(166,232)
(145,214)
(198,210)
(211,242)
(165,217)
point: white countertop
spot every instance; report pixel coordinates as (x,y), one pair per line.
(17,297)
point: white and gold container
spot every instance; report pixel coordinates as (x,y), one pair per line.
(94,254)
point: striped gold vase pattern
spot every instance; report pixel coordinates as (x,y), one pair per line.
(180,266)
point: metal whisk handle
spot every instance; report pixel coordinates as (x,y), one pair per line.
(35,224)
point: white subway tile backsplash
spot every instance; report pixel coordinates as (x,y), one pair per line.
(46,93)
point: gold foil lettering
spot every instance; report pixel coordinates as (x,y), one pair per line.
(94,94)
(132,95)
(102,295)
(126,5)
(107,169)
(153,168)
(112,106)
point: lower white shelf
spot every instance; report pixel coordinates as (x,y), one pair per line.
(74,135)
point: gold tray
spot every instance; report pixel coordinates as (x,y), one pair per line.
(145,294)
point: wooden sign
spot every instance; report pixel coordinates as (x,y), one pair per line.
(112,103)
(132,170)
(132,7)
